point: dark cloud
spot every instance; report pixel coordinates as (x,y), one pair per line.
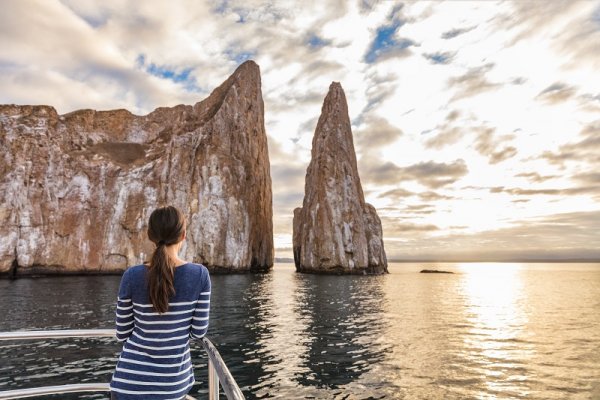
(472,83)
(556,93)
(455,32)
(440,57)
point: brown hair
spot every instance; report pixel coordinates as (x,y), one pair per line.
(165,227)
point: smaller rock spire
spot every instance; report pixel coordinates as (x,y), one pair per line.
(335,231)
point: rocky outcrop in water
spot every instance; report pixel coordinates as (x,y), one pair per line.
(76,190)
(335,231)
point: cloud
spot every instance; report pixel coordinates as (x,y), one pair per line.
(504,154)
(487,144)
(472,82)
(400,194)
(556,93)
(433,196)
(588,177)
(386,44)
(586,150)
(404,227)
(419,209)
(375,171)
(428,173)
(446,134)
(564,235)
(439,57)
(377,132)
(573,27)
(550,191)
(396,194)
(436,175)
(456,32)
(138,56)
(535,177)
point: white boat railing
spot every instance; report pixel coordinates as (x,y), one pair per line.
(218,373)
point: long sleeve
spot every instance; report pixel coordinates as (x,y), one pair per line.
(200,316)
(124,314)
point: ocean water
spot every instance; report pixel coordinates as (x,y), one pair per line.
(489,331)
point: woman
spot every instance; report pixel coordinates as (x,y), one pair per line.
(159,307)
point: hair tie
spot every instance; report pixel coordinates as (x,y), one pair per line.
(161,242)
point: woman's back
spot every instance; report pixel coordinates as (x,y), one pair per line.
(155,361)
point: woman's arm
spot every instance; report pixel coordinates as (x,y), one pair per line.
(124,314)
(200,317)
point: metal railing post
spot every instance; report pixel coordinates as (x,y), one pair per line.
(213,382)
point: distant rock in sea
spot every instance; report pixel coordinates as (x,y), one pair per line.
(335,231)
(76,190)
(435,271)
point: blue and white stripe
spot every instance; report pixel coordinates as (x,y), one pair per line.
(155,362)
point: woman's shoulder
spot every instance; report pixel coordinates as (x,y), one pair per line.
(196,268)
(134,270)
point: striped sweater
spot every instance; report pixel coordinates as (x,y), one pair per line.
(155,361)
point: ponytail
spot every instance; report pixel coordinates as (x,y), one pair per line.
(160,279)
(166,227)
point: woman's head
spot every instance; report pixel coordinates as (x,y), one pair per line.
(166,228)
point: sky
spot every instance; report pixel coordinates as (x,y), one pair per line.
(476,124)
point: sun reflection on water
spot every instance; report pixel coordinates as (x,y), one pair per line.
(497,339)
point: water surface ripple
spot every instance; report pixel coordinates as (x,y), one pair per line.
(489,331)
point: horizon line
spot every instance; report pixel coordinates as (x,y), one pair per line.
(522,260)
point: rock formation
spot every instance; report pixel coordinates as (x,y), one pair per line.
(76,190)
(335,231)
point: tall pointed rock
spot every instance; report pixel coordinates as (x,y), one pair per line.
(335,231)
(76,190)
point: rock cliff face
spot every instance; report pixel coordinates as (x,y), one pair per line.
(335,231)
(76,190)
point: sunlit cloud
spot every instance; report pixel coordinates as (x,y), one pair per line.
(475,123)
